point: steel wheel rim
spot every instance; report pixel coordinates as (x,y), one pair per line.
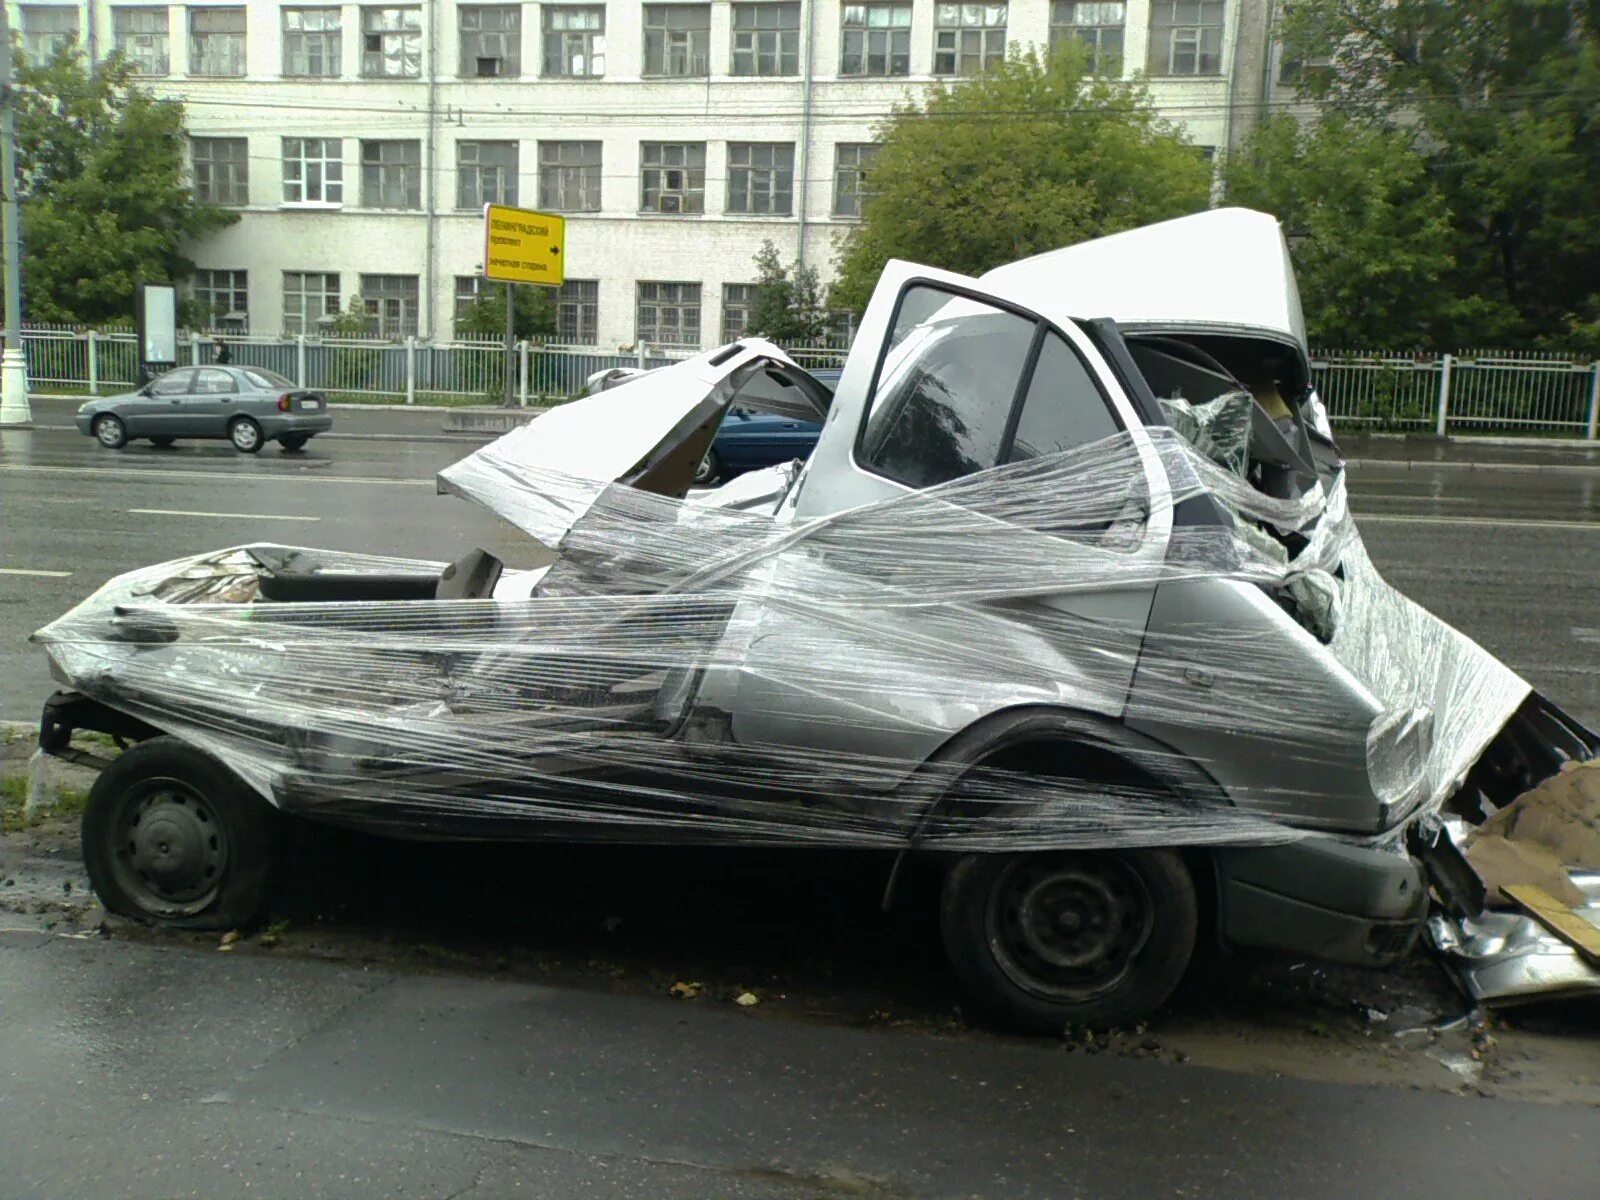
(1068,927)
(108,430)
(170,852)
(244,435)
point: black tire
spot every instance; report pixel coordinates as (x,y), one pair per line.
(292,442)
(109,431)
(245,435)
(162,442)
(709,470)
(173,837)
(1043,942)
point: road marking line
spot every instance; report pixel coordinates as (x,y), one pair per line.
(301,475)
(189,512)
(1497,522)
(39,574)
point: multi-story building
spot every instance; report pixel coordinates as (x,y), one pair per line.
(359,141)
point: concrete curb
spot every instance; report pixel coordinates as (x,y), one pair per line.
(1399,464)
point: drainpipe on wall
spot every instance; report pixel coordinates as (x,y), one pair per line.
(93,18)
(803,190)
(429,174)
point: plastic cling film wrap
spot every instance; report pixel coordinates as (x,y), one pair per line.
(1041,655)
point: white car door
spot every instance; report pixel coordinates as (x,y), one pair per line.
(894,620)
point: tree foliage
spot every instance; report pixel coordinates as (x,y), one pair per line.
(788,307)
(105,201)
(1035,154)
(533,309)
(1369,231)
(1500,100)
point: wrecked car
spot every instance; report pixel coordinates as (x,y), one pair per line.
(1068,597)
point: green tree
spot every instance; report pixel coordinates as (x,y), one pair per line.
(1369,230)
(1504,100)
(1035,154)
(105,202)
(788,307)
(533,308)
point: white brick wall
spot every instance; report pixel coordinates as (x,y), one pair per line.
(618,246)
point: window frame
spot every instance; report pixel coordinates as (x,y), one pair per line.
(511,61)
(330,40)
(509,173)
(32,41)
(238,287)
(588,312)
(1162,37)
(323,160)
(858,172)
(411,328)
(787,41)
(644,185)
(311,327)
(238,171)
(750,171)
(406,169)
(547,31)
(405,32)
(1099,61)
(132,13)
(196,13)
(699,308)
(704,57)
(564,170)
(865,32)
(1043,327)
(986,57)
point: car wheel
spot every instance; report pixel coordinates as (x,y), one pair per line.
(245,435)
(293,441)
(172,836)
(1041,942)
(708,470)
(162,442)
(110,432)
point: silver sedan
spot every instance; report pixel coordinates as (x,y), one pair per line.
(248,406)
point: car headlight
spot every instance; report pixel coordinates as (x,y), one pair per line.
(83,408)
(1399,744)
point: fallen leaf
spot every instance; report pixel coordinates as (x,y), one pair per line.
(746,999)
(686,991)
(228,939)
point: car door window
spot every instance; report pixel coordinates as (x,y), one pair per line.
(946,389)
(1063,409)
(173,383)
(209,381)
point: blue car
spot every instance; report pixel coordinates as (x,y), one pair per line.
(749,441)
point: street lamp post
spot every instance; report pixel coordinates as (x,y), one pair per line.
(14,410)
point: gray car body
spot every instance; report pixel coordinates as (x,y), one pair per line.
(196,403)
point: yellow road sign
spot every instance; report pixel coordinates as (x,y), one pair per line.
(523,246)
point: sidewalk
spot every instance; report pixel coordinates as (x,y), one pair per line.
(1363,450)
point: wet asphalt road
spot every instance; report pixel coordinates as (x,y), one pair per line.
(281,1077)
(129,1070)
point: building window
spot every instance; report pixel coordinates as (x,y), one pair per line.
(221,170)
(310,300)
(578,312)
(391,174)
(47,31)
(222,298)
(669,314)
(486,173)
(311,42)
(313,171)
(1186,37)
(851,163)
(574,42)
(761,177)
(677,39)
(876,40)
(391,42)
(569,176)
(216,41)
(766,39)
(390,302)
(468,289)
(1096,26)
(737,301)
(968,38)
(673,177)
(141,38)
(491,41)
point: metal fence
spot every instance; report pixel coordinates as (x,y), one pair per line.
(1476,391)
